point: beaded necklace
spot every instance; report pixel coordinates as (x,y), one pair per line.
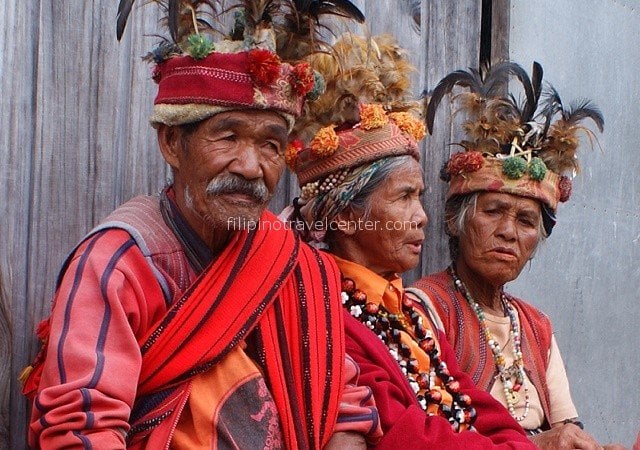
(387,326)
(513,377)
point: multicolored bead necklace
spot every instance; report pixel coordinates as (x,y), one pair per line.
(513,377)
(387,326)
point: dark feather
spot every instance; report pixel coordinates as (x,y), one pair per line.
(179,16)
(303,31)
(259,11)
(536,81)
(124,9)
(531,101)
(584,109)
(446,85)
(552,104)
(173,19)
(317,8)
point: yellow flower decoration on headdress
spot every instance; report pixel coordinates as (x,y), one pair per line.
(409,124)
(372,116)
(325,142)
(292,152)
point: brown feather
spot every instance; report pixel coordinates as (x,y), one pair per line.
(358,70)
(494,118)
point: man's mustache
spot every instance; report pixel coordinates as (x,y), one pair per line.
(234,184)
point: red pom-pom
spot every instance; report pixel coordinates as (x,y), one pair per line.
(302,78)
(43,330)
(465,162)
(564,188)
(264,66)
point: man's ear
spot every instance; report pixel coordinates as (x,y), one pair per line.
(170,143)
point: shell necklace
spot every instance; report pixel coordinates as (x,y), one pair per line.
(387,327)
(513,377)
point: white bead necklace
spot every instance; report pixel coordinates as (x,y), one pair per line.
(506,374)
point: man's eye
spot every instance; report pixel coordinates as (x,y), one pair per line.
(273,146)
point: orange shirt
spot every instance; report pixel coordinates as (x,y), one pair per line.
(229,407)
(389,293)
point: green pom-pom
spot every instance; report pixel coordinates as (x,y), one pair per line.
(537,169)
(318,87)
(199,46)
(514,167)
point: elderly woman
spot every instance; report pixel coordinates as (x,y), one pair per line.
(503,193)
(361,186)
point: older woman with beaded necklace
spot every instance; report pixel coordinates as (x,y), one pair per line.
(361,184)
(503,193)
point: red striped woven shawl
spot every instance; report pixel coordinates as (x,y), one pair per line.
(264,280)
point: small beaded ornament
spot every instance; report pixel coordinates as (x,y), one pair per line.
(513,377)
(387,326)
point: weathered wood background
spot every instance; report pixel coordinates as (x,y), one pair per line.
(75,143)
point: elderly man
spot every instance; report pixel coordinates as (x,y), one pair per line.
(174,324)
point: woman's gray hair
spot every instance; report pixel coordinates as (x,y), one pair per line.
(356,188)
(457,211)
(356,191)
(361,200)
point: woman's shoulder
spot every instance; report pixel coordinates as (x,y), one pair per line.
(439,288)
(436,285)
(528,308)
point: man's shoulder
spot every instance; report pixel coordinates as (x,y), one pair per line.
(142,219)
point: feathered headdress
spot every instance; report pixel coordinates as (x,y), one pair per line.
(365,113)
(523,147)
(202,70)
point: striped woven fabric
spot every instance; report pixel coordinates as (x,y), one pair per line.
(472,352)
(264,280)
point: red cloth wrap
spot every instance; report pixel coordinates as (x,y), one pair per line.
(220,78)
(223,79)
(290,292)
(404,423)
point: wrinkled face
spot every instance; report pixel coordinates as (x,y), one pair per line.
(229,168)
(499,237)
(390,240)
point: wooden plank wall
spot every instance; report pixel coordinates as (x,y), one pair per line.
(75,141)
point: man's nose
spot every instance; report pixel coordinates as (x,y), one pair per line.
(247,163)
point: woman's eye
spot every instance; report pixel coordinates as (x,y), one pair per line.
(527,222)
